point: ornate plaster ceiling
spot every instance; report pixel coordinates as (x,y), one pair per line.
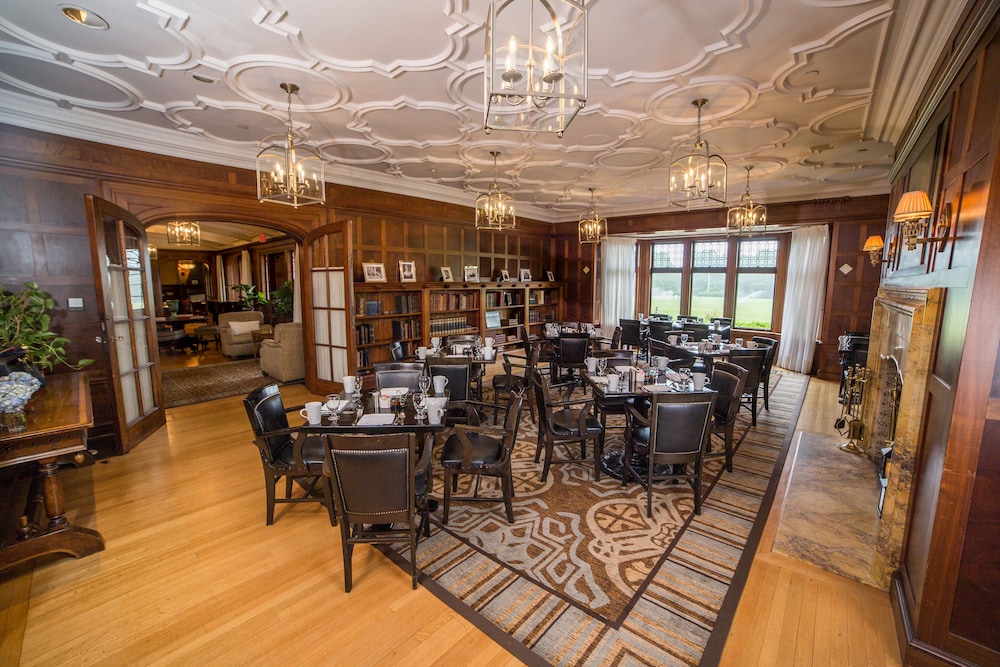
(812,93)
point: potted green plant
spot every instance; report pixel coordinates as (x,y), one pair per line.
(249,296)
(282,301)
(24,327)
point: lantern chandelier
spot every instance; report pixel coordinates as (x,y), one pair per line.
(746,217)
(183,232)
(698,176)
(495,209)
(289,171)
(593,227)
(536,65)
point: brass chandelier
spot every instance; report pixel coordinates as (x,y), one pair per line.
(495,209)
(698,176)
(593,227)
(536,65)
(183,232)
(288,170)
(746,217)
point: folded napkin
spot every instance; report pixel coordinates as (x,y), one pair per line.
(673,376)
(377,419)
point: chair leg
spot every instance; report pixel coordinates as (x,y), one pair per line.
(508,493)
(538,446)
(348,549)
(328,500)
(548,460)
(270,481)
(413,555)
(729,435)
(767,383)
(696,484)
(598,453)
(449,480)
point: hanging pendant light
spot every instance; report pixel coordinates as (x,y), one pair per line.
(495,209)
(536,65)
(288,170)
(593,227)
(698,176)
(746,216)
(183,232)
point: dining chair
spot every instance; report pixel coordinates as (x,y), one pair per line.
(483,451)
(728,381)
(571,357)
(398,374)
(660,329)
(375,489)
(459,372)
(289,453)
(678,424)
(633,336)
(564,423)
(765,376)
(753,362)
(397,351)
(616,339)
(516,377)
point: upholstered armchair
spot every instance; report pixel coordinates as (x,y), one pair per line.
(237,341)
(282,357)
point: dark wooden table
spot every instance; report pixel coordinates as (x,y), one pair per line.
(59,415)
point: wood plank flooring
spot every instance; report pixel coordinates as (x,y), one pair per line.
(189,576)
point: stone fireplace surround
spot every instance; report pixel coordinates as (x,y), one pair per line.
(904,333)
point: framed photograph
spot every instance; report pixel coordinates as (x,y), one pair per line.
(550,276)
(374,273)
(446,274)
(407,271)
(525,275)
(492,319)
(472,274)
(504,275)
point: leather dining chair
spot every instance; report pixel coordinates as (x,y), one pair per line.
(376,490)
(517,376)
(660,329)
(483,451)
(397,351)
(633,336)
(285,452)
(570,357)
(459,372)
(753,362)
(564,423)
(765,375)
(728,381)
(678,424)
(398,374)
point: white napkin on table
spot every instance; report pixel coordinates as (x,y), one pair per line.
(377,419)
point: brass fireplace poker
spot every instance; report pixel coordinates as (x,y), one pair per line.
(849,423)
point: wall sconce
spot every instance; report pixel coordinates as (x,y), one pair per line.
(941,230)
(874,246)
(911,213)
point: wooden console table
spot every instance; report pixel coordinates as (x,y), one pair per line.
(58,417)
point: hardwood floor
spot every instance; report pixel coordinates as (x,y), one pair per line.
(191,575)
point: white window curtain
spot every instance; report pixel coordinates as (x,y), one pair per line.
(618,281)
(245,277)
(804,294)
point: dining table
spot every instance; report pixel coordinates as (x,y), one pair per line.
(362,414)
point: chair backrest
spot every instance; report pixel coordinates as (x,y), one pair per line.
(679,421)
(529,363)
(631,332)
(752,361)
(288,333)
(266,413)
(615,358)
(616,339)
(698,330)
(372,476)
(241,316)
(729,387)
(543,402)
(573,348)
(660,330)
(458,370)
(512,421)
(397,350)
(771,345)
(462,338)
(398,374)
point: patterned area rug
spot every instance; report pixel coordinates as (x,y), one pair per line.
(182,386)
(583,576)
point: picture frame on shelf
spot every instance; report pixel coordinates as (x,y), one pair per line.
(472,274)
(446,276)
(407,271)
(550,276)
(492,319)
(504,276)
(525,275)
(373,272)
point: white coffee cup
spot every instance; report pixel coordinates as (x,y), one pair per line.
(348,381)
(313,412)
(661,363)
(488,342)
(699,381)
(436,342)
(751,345)
(489,353)
(613,382)
(421,352)
(440,382)
(384,400)
(672,339)
(591,365)
(435,415)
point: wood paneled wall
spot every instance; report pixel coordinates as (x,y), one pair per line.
(947,590)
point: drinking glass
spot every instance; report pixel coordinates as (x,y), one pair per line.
(739,342)
(420,403)
(424,382)
(684,339)
(602,365)
(358,381)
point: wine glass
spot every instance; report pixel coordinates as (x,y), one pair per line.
(358,381)
(684,339)
(420,403)
(602,365)
(424,382)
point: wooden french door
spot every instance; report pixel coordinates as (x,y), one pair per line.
(327,273)
(122,281)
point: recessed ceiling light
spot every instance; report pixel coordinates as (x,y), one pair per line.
(84,17)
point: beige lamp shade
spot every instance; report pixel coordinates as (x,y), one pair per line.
(914,205)
(874,243)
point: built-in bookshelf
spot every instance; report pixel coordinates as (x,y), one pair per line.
(453,311)
(383,316)
(503,310)
(544,306)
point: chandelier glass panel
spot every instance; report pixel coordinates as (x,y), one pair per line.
(288,170)
(698,175)
(495,209)
(536,65)
(593,227)
(183,232)
(746,217)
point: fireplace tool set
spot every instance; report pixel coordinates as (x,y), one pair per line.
(849,423)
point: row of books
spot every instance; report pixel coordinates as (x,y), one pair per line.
(536,316)
(364,359)
(405,303)
(369,307)
(453,301)
(444,326)
(364,334)
(496,299)
(405,329)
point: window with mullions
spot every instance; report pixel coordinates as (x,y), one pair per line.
(708,278)
(756,269)
(665,282)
